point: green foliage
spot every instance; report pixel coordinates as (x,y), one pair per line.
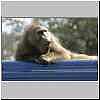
(77,34)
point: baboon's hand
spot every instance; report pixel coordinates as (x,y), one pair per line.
(43,60)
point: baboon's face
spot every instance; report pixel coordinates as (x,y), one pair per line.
(42,38)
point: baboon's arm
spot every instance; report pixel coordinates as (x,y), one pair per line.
(64,54)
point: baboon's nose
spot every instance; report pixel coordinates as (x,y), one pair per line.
(49,42)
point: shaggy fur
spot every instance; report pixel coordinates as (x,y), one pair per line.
(40,45)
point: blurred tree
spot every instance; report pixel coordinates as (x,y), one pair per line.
(77,34)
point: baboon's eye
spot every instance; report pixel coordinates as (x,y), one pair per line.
(42,32)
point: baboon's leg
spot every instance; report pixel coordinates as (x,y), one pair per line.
(83,57)
(54,57)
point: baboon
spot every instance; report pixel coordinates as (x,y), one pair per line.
(41,46)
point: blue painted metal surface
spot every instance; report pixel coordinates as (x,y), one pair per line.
(75,70)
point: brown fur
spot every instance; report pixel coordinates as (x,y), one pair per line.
(40,45)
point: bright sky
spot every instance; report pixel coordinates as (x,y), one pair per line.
(8,29)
